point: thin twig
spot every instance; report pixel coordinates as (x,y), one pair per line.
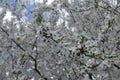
(36,69)
(118,67)
(12,39)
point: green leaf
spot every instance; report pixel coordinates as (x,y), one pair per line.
(78,54)
(80,51)
(110,23)
(14,72)
(58,52)
(93,55)
(113,56)
(39,18)
(58,40)
(19,72)
(83,39)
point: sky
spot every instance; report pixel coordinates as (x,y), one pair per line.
(29,7)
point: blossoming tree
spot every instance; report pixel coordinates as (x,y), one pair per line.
(61,40)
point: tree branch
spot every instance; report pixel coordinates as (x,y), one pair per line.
(118,67)
(36,69)
(12,39)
